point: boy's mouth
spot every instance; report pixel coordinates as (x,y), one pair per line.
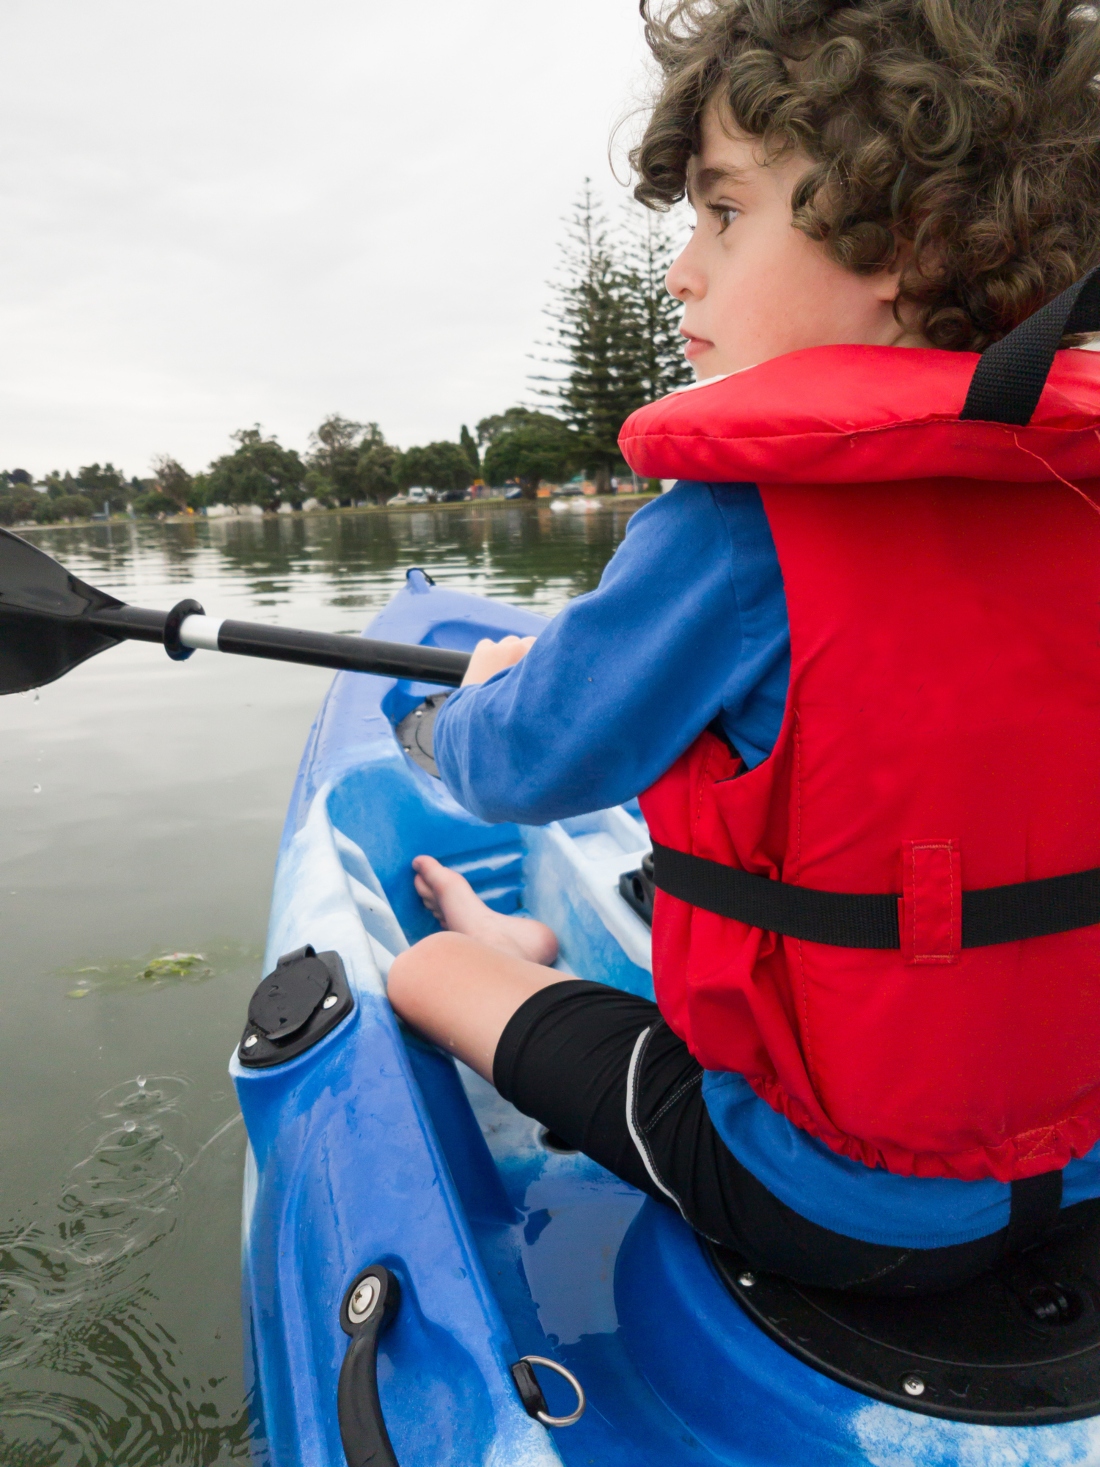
(695,346)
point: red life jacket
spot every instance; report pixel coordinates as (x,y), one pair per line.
(941,738)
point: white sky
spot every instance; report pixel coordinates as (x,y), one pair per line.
(219,212)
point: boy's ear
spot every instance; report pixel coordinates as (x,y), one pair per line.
(887,288)
(888,281)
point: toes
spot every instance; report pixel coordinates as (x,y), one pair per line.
(432,872)
(426,892)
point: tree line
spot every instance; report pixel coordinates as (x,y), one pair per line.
(613,345)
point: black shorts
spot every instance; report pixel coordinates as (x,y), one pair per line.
(602,1070)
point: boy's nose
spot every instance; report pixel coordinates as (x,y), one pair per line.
(684,280)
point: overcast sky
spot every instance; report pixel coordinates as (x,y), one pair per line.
(220,212)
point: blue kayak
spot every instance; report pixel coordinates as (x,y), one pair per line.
(409,1238)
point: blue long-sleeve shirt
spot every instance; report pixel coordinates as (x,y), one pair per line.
(688,624)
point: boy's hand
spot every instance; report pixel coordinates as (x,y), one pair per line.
(490,657)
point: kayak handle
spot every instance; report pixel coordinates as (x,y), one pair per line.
(369,1305)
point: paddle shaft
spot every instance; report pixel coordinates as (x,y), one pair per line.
(282,644)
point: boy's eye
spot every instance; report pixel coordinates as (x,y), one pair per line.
(725,214)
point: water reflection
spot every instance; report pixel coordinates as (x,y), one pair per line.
(355,561)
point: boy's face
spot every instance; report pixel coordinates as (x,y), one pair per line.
(754,286)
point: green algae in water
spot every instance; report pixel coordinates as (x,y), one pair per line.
(163,970)
(177,965)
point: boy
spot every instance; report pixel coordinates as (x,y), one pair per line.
(881,683)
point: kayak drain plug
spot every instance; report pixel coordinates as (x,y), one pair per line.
(530,1392)
(295,1006)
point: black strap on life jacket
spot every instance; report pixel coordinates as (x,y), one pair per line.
(1036,1202)
(1009,378)
(990,915)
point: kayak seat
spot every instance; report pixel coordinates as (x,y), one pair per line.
(1019,1345)
(416,732)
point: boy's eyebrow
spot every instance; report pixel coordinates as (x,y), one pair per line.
(704,179)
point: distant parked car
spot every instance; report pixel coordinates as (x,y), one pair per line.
(513,491)
(419,495)
(578,484)
(451,496)
(398,499)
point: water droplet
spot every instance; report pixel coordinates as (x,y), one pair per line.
(37,699)
(141,1082)
(37,790)
(130,1126)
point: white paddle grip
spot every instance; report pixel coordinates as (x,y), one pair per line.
(201,632)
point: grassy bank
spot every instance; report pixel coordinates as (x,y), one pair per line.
(609,501)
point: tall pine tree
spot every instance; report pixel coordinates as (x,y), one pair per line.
(615,327)
(653,340)
(469,448)
(593,326)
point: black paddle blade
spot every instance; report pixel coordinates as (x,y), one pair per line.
(42,632)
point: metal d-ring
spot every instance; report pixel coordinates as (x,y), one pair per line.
(544,1416)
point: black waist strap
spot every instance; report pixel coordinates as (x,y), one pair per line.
(1036,1202)
(992,915)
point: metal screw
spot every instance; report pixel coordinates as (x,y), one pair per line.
(746,1280)
(362,1302)
(252,1041)
(330,1002)
(912,1385)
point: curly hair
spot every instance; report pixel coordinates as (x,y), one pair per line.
(969,129)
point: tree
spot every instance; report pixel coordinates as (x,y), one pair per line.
(154,502)
(350,461)
(533,453)
(653,337)
(102,486)
(440,466)
(375,471)
(18,503)
(173,484)
(20,476)
(490,429)
(530,446)
(258,471)
(334,457)
(319,488)
(469,448)
(596,330)
(51,508)
(57,484)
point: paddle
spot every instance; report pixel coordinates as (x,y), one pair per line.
(50,622)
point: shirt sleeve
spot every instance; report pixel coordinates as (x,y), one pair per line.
(618,685)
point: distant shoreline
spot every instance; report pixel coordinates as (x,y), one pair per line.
(610,501)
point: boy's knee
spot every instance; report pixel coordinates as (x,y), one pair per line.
(418,965)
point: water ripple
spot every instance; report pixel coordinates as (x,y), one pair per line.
(90,1376)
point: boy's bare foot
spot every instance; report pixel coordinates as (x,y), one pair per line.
(456,906)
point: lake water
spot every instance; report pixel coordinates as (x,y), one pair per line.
(141,803)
